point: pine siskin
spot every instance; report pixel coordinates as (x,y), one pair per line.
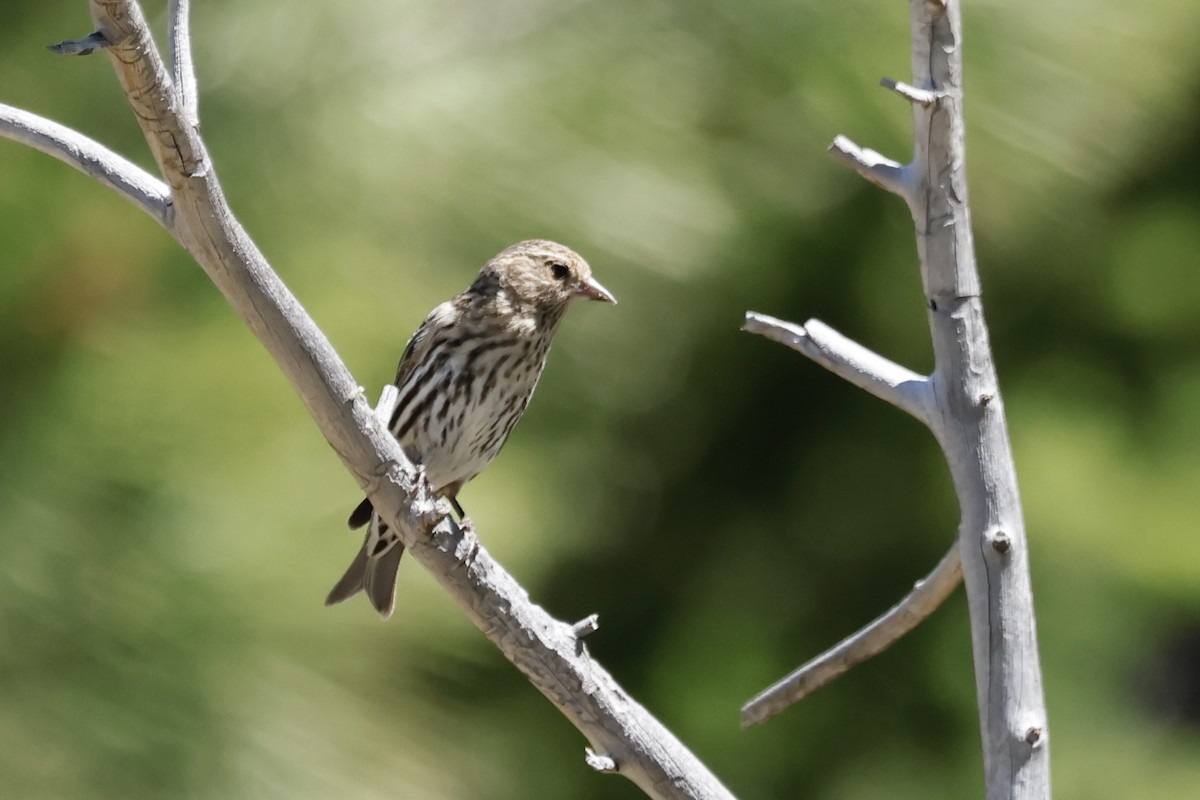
(464,380)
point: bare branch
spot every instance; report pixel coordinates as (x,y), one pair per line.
(922,97)
(600,763)
(632,742)
(971,426)
(878,169)
(586,626)
(963,408)
(388,399)
(173,142)
(847,359)
(92,159)
(179,52)
(911,611)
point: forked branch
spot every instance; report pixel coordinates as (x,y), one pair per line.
(966,415)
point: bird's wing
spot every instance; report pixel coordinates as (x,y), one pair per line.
(418,346)
(441,317)
(413,351)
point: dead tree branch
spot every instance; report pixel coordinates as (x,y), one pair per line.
(92,159)
(179,52)
(966,417)
(911,611)
(847,359)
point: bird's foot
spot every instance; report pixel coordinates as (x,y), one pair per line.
(466,525)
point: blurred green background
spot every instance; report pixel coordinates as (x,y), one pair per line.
(172,519)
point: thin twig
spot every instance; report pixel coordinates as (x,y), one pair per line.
(922,97)
(388,398)
(91,158)
(872,640)
(601,763)
(586,626)
(847,359)
(878,169)
(179,52)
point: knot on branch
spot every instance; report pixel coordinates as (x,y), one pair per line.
(601,763)
(999,540)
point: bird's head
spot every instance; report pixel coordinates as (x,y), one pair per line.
(542,275)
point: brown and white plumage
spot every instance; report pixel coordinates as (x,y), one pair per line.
(464,380)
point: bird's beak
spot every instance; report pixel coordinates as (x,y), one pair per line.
(592,290)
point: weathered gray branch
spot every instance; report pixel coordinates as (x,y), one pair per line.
(80,47)
(848,359)
(388,399)
(878,169)
(872,640)
(912,94)
(71,147)
(179,52)
(973,431)
(967,414)
(624,737)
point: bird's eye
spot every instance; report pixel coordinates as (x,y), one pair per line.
(559,271)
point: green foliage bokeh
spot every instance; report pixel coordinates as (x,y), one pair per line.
(172,519)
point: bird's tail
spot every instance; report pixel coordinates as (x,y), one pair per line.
(374,568)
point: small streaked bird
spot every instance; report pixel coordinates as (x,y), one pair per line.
(464,380)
